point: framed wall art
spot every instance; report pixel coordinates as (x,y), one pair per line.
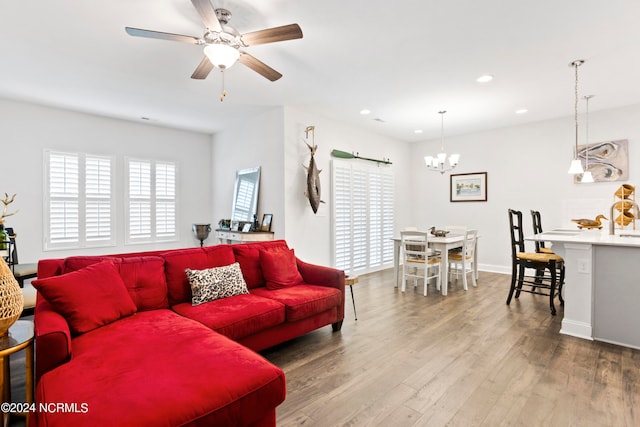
(468,187)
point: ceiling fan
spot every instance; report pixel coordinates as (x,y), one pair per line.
(223,44)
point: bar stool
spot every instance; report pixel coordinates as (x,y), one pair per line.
(537,229)
(540,262)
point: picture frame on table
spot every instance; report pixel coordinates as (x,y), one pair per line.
(468,187)
(266,222)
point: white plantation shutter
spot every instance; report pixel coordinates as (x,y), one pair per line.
(165,200)
(78,200)
(139,200)
(362,216)
(342,216)
(151,201)
(98,200)
(388,217)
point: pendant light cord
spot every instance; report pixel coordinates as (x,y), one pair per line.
(576,64)
(442,130)
(586,145)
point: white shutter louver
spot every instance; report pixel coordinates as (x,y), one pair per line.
(165,200)
(98,224)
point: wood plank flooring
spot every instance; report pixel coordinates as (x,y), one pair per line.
(462,360)
(467,359)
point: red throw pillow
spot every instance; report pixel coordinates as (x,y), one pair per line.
(88,298)
(280,269)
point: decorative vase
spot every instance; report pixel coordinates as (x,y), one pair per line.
(11,299)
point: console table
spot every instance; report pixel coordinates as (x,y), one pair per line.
(228,236)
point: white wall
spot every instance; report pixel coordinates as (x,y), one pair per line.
(309,233)
(26,130)
(252,141)
(527,169)
(274,140)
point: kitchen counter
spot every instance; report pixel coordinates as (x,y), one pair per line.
(602,290)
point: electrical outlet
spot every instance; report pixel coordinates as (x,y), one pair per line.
(584,266)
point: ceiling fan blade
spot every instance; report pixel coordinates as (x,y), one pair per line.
(202,71)
(271,35)
(137,32)
(207,14)
(259,67)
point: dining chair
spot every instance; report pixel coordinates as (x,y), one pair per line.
(537,261)
(461,263)
(418,260)
(456,229)
(21,272)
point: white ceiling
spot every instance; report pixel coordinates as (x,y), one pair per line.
(403,60)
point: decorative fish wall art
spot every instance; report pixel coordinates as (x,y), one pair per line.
(313,173)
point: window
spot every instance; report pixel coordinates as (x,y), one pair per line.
(151,201)
(79,200)
(363,217)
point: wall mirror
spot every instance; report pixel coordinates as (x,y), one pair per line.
(245,194)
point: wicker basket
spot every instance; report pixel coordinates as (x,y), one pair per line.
(11,300)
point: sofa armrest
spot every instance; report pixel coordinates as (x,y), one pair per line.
(52,336)
(321,276)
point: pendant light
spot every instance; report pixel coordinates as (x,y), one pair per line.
(587,176)
(437,163)
(576,164)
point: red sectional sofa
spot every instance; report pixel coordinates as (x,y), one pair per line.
(119,342)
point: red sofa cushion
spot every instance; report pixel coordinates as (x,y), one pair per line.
(143,277)
(279,268)
(88,298)
(176,262)
(248,255)
(191,376)
(235,317)
(304,300)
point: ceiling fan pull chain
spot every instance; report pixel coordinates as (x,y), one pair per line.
(224,92)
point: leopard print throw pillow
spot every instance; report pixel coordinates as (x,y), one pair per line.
(215,283)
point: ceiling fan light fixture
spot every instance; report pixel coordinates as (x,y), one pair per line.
(221,55)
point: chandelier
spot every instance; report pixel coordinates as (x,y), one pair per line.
(576,165)
(438,163)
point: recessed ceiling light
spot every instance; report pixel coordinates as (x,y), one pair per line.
(417,131)
(484,79)
(521,111)
(365,112)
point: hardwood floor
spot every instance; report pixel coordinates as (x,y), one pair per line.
(467,359)
(462,360)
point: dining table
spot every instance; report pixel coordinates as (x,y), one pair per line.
(439,244)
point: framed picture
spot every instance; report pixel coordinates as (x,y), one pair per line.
(266,222)
(469,187)
(246,228)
